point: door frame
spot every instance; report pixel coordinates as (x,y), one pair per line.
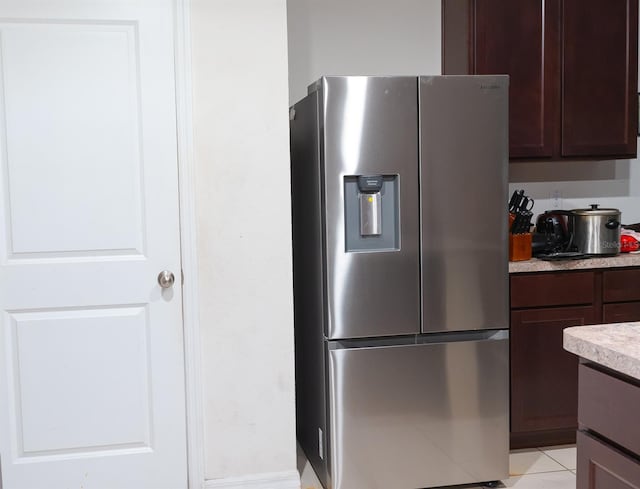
(188,248)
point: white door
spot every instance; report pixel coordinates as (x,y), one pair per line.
(91,354)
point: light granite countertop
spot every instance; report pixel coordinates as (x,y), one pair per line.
(535,265)
(616,346)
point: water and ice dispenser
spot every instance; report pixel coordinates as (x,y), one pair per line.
(372,215)
(370,205)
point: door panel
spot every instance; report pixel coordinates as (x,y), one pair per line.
(544,376)
(371,128)
(599,77)
(92,370)
(119,393)
(79,147)
(463,189)
(531,26)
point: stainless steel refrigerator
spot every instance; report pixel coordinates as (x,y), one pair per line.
(399,209)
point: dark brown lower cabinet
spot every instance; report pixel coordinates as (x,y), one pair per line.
(544,379)
(625,312)
(600,466)
(544,376)
(621,285)
(609,437)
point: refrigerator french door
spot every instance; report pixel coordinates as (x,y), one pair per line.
(399,190)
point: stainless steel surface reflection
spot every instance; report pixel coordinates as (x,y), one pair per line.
(419,415)
(464,173)
(371,127)
(401,325)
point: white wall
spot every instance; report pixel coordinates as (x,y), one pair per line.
(361,37)
(244,236)
(578,184)
(376,37)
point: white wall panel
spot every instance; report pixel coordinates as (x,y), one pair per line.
(241,147)
(361,37)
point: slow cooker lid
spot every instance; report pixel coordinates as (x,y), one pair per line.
(596,211)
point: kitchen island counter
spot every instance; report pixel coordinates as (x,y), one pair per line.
(536,265)
(608,437)
(615,346)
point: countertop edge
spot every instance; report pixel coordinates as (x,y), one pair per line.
(607,345)
(536,265)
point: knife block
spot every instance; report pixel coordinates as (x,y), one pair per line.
(520,247)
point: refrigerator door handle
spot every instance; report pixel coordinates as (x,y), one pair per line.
(453,337)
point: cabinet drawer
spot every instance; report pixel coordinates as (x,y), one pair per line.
(621,285)
(552,289)
(601,466)
(608,406)
(621,313)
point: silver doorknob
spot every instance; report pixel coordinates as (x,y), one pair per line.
(166,279)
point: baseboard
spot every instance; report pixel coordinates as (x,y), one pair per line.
(536,439)
(273,480)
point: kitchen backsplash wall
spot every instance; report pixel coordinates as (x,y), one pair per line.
(573,185)
(375,37)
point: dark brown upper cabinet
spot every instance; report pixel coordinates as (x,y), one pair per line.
(573,67)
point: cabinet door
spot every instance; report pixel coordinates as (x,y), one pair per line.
(599,77)
(601,466)
(520,39)
(544,376)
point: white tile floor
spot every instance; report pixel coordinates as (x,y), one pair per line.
(543,468)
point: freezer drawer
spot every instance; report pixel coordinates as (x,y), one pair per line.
(419,415)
